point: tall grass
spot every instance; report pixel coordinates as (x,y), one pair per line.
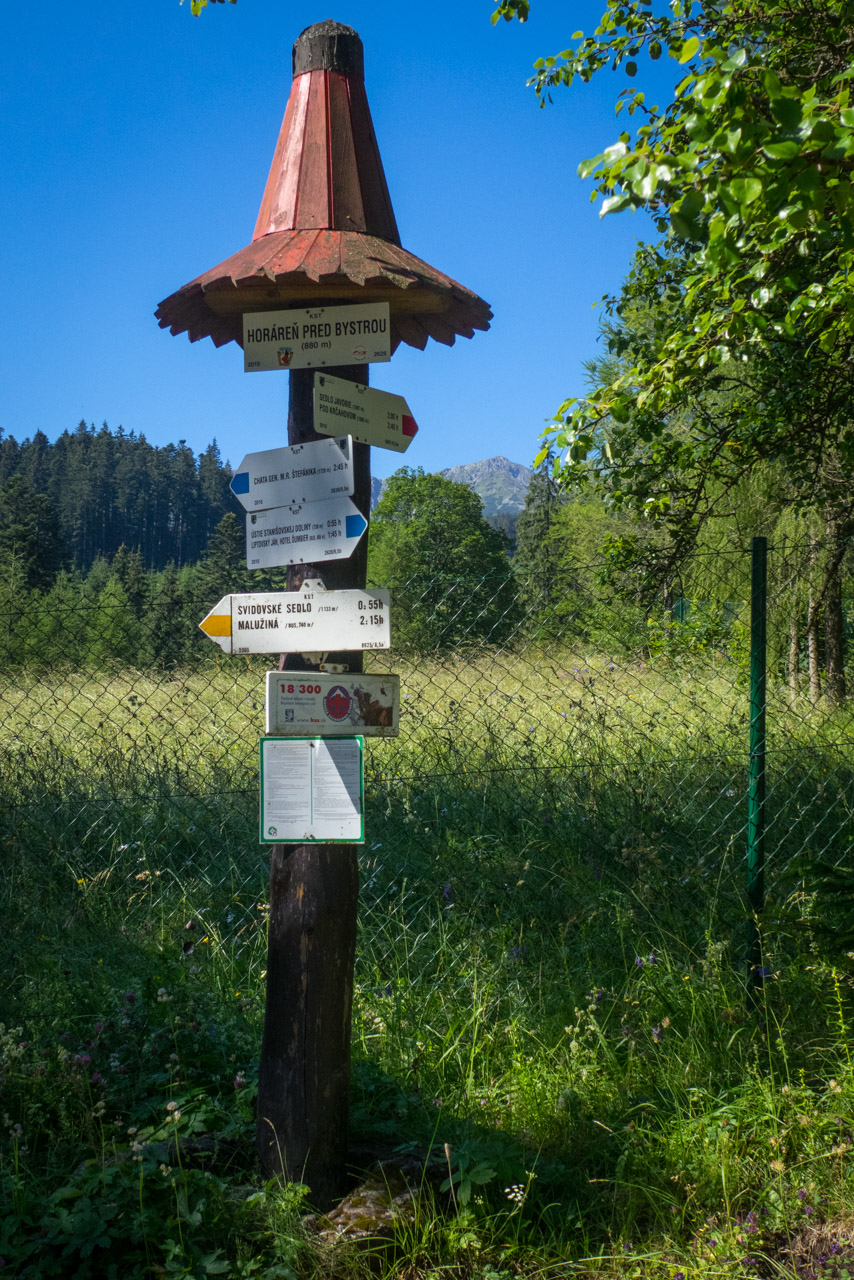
(549,985)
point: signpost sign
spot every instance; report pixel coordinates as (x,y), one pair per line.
(370,416)
(311,472)
(312,620)
(312,790)
(303,534)
(314,337)
(300,702)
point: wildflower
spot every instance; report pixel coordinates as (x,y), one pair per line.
(652,958)
(802,1195)
(515,1193)
(171,1105)
(97,1078)
(82,1059)
(447,891)
(639,961)
(163,995)
(656,1034)
(777,1166)
(239,1080)
(132,1132)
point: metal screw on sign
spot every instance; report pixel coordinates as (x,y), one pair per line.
(326,239)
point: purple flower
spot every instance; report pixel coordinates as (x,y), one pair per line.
(130,998)
(656,1035)
(97,1078)
(763,971)
(99,1027)
(447,892)
(652,958)
(802,1195)
(639,961)
(82,1059)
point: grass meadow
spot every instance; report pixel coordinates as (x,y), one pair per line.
(550,982)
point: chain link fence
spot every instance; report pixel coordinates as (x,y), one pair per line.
(579,728)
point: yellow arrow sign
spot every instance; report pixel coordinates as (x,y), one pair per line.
(217,624)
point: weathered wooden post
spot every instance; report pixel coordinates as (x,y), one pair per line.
(326,237)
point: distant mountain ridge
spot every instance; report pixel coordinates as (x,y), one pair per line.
(500,484)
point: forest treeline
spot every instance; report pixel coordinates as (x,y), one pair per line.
(112,551)
(66,504)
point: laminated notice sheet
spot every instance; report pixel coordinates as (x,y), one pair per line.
(312,789)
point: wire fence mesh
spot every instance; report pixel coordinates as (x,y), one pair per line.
(580,720)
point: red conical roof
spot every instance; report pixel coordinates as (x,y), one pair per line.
(326,230)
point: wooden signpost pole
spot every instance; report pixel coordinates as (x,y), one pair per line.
(304,1077)
(326,236)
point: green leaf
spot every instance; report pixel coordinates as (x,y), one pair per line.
(655,50)
(631,68)
(614,204)
(746,190)
(689,49)
(788,150)
(787,112)
(737,60)
(588,166)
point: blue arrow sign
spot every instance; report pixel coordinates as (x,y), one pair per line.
(312,472)
(304,533)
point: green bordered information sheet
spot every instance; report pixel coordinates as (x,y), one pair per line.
(312,789)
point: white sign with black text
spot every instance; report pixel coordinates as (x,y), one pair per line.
(311,620)
(304,534)
(312,790)
(316,337)
(310,472)
(370,416)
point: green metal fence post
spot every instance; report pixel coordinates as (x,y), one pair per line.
(756,773)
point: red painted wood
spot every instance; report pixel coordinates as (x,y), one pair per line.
(379,214)
(347,203)
(313,191)
(326,215)
(278,204)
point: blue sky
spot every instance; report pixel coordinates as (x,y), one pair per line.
(135,149)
